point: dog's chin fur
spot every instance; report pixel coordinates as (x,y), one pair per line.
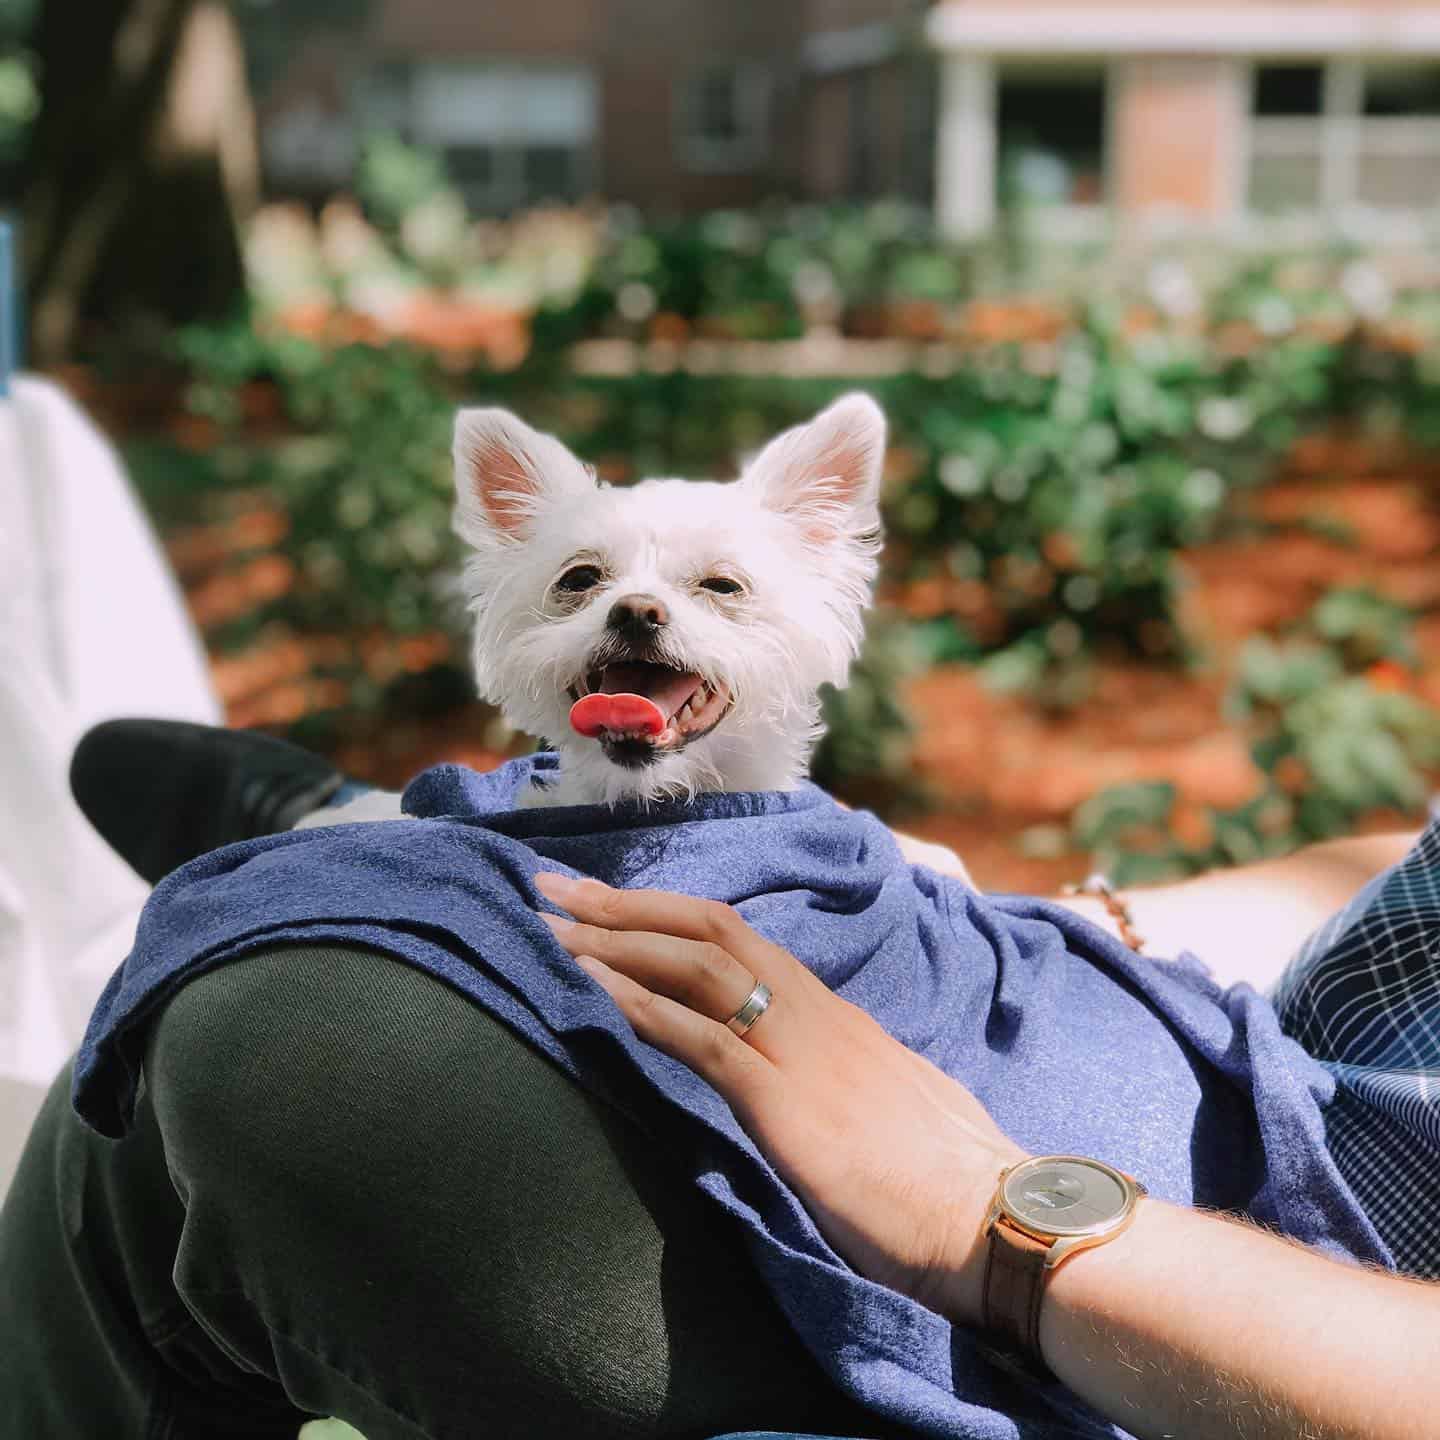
(588,777)
(799,530)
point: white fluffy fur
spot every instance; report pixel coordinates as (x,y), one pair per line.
(800,527)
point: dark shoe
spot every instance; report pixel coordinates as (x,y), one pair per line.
(162,792)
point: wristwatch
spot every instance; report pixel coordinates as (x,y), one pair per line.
(1045,1210)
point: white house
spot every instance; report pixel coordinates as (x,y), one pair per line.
(1249,119)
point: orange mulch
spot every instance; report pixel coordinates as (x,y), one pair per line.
(458,332)
(1006,775)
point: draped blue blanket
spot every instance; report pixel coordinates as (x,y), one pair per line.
(1071,1041)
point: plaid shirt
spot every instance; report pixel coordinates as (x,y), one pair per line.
(1363,997)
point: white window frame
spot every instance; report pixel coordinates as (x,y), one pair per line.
(753,88)
(1341,133)
(507,186)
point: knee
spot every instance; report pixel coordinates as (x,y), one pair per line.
(301,1068)
(327,1113)
(355,1142)
(340,1091)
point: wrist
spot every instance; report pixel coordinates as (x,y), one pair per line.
(955,1286)
(1045,1215)
(1098,888)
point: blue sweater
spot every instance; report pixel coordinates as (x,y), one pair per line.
(1072,1042)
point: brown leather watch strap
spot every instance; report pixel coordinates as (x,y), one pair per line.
(1014,1287)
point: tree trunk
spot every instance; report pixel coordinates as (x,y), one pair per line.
(141,168)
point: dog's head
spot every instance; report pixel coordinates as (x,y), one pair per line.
(727,605)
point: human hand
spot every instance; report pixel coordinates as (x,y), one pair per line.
(896,1161)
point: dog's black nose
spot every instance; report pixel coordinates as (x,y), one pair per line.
(640,615)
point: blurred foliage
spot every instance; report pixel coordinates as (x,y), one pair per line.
(360,467)
(1332,745)
(395,179)
(1058,480)
(19,83)
(867,729)
(1048,461)
(1364,627)
(770,274)
(1057,455)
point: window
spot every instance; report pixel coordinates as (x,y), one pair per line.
(511,134)
(548,169)
(309,147)
(1397,162)
(723,116)
(717,108)
(1401,90)
(1289,90)
(1344,137)
(1050,135)
(1287,160)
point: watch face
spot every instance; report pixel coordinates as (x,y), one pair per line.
(1066,1195)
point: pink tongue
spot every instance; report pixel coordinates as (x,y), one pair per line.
(619,705)
(591,715)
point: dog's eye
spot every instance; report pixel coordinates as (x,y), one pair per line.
(722,585)
(580,577)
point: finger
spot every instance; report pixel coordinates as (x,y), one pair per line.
(661,910)
(738,1071)
(694,972)
(667,913)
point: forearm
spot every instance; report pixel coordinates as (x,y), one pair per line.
(1234,917)
(1191,1325)
(1257,913)
(1183,1325)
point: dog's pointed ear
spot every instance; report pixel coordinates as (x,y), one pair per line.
(507,474)
(825,475)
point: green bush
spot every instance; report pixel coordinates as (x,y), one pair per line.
(764,275)
(361,469)
(1332,746)
(1050,472)
(19,81)
(867,727)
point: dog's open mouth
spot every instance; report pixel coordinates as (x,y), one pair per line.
(637,709)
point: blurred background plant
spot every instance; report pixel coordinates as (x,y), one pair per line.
(1332,730)
(19,82)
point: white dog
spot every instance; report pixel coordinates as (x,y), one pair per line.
(670,637)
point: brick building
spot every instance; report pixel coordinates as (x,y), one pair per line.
(673,104)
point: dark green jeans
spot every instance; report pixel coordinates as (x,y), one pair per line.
(351,1192)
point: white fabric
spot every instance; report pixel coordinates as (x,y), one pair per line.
(92,627)
(372,805)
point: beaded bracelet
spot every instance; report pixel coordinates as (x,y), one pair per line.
(1100,887)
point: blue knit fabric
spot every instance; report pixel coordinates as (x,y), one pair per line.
(1070,1040)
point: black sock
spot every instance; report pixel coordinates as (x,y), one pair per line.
(162,792)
